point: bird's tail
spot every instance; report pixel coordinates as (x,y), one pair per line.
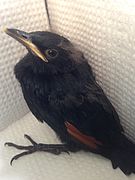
(123,155)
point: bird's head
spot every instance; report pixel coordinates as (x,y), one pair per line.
(48,52)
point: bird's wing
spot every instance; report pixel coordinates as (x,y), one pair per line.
(87,140)
(95,120)
(96,92)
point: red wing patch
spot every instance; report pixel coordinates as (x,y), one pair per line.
(87,140)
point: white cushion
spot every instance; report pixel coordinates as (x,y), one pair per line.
(104,31)
(45,166)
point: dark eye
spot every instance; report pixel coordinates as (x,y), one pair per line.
(51,53)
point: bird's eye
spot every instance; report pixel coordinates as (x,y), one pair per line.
(51,53)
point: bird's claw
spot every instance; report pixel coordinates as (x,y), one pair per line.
(52,148)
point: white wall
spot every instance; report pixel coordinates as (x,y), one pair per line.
(28,15)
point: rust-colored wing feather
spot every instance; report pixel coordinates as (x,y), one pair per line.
(87,140)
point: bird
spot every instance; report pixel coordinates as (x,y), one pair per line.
(60,88)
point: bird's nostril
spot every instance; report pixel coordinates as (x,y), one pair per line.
(24,36)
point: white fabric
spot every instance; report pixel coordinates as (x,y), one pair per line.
(28,15)
(105,31)
(42,165)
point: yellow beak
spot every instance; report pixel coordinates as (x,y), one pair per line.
(25,39)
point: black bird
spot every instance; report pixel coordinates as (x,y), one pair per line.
(60,88)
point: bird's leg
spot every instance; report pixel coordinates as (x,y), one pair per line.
(51,148)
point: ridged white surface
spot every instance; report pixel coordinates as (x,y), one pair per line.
(105,31)
(28,15)
(42,165)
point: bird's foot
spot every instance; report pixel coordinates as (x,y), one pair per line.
(51,148)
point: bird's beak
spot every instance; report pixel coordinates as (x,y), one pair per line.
(25,39)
